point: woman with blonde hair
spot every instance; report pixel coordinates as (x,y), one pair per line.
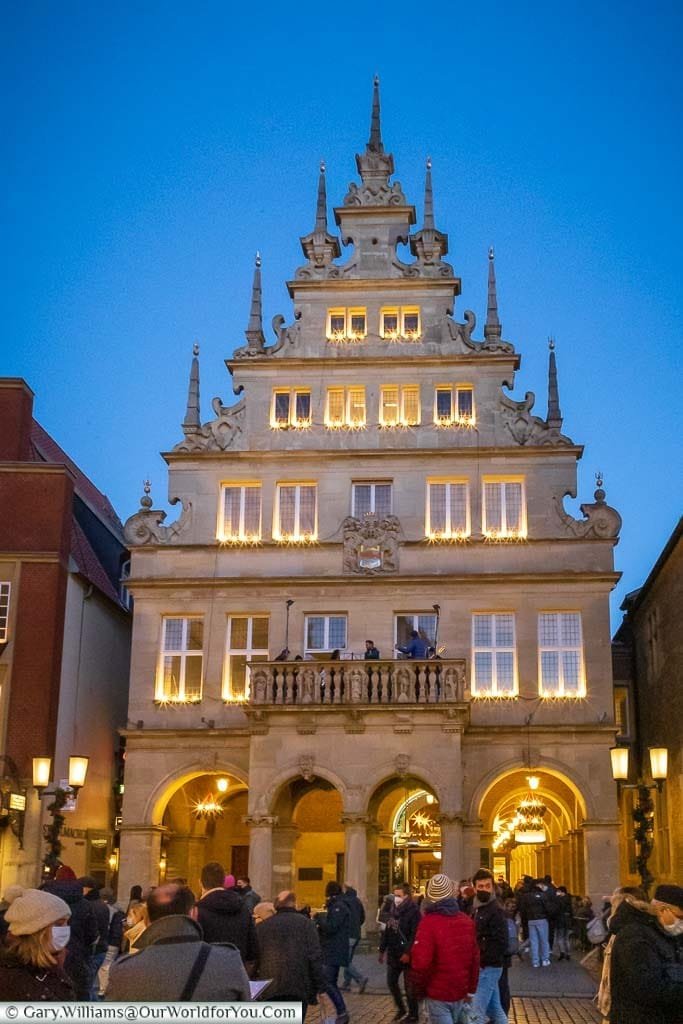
(30,962)
(137,920)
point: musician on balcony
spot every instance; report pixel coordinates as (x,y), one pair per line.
(417,648)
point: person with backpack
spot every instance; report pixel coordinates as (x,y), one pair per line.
(396,943)
(356,922)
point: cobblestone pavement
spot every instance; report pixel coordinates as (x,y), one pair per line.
(373,1009)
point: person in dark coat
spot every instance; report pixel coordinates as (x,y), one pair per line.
(533,911)
(290,954)
(224,916)
(333,927)
(91,893)
(563,922)
(396,943)
(117,920)
(492,939)
(38,929)
(356,922)
(646,967)
(84,935)
(250,897)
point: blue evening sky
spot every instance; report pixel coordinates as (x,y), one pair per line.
(148,149)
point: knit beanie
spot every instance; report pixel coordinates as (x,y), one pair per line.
(32,909)
(439,887)
(671,894)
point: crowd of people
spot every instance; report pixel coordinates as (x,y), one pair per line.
(447,951)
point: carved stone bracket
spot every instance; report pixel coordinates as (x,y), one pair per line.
(451,819)
(454,720)
(306,764)
(355,721)
(258,721)
(352,818)
(260,820)
(401,764)
(145,527)
(307,725)
(526,429)
(461,334)
(600,519)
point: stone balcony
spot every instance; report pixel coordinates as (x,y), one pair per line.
(358,683)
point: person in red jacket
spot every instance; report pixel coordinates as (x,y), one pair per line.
(445,956)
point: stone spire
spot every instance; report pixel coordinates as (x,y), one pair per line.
(375,140)
(429,244)
(192,422)
(375,167)
(319,247)
(254,333)
(554,418)
(492,328)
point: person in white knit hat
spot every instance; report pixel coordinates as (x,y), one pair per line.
(30,969)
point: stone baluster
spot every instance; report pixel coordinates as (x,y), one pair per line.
(386,682)
(279,686)
(412,688)
(374,685)
(421,694)
(317,689)
(338,684)
(432,696)
(289,685)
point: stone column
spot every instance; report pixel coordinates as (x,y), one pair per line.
(284,841)
(355,853)
(452,845)
(471,848)
(372,847)
(139,856)
(600,858)
(563,870)
(261,852)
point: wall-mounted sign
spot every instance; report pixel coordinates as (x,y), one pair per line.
(17,802)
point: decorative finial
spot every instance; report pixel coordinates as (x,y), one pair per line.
(257,260)
(195,349)
(551,344)
(599,492)
(429,163)
(322,167)
(375,140)
(193,421)
(429,196)
(254,332)
(321,206)
(599,480)
(145,500)
(492,327)
(554,417)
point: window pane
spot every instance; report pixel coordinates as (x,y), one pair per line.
(458,498)
(382,500)
(410,322)
(483,671)
(571,630)
(411,405)
(237,670)
(358,323)
(492,505)
(505,670)
(337,631)
(303,406)
(315,632)
(231,512)
(390,412)
(426,624)
(437,508)
(547,630)
(571,669)
(361,499)
(390,323)
(259,633)
(335,405)
(550,670)
(338,322)
(193,676)
(404,624)
(252,511)
(238,634)
(504,631)
(443,403)
(307,510)
(465,403)
(483,631)
(172,676)
(282,407)
(287,508)
(356,405)
(173,634)
(195,634)
(513,506)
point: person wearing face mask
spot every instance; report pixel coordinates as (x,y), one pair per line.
(646,962)
(30,968)
(492,939)
(396,942)
(84,931)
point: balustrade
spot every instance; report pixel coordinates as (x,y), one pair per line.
(333,683)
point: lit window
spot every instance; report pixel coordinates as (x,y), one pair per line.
(454,406)
(345,407)
(560,655)
(621,712)
(240,512)
(374,499)
(494,662)
(400,323)
(346,325)
(400,406)
(425,624)
(325,633)
(179,677)
(247,641)
(448,509)
(504,511)
(4,612)
(291,408)
(296,513)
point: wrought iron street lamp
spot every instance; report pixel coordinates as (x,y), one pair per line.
(644,812)
(42,769)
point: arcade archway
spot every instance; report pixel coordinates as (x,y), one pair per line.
(405,815)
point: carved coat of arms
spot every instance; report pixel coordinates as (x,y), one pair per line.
(371,544)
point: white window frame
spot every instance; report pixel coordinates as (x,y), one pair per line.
(504,533)
(448,533)
(5,592)
(347,421)
(183,653)
(455,419)
(372,484)
(415,616)
(249,651)
(401,390)
(494,649)
(241,534)
(347,312)
(326,616)
(292,420)
(561,649)
(297,536)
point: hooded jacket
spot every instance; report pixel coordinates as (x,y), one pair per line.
(225,917)
(445,957)
(356,912)
(334,927)
(84,934)
(161,968)
(399,934)
(101,912)
(646,978)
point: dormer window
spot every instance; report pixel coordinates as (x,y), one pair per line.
(454,405)
(346,325)
(291,408)
(400,323)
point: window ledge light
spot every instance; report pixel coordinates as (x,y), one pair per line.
(505,696)
(295,540)
(549,697)
(345,426)
(174,702)
(401,425)
(504,537)
(251,541)
(446,537)
(457,421)
(301,425)
(337,338)
(396,338)
(235,702)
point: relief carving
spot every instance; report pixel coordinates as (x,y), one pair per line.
(461,334)
(218,434)
(145,526)
(371,545)
(526,429)
(600,519)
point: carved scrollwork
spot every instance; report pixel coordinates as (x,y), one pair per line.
(462,335)
(375,193)
(218,434)
(145,527)
(600,519)
(526,429)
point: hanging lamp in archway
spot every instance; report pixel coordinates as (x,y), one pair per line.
(531,810)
